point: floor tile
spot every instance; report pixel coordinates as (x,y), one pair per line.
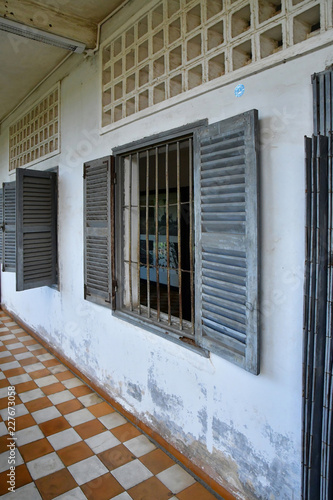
(50,362)
(81,390)
(28,435)
(75,453)
(102,488)
(89,399)
(22,477)
(61,397)
(55,484)
(4,465)
(66,375)
(50,379)
(25,387)
(139,446)
(64,438)
(151,489)
(34,367)
(126,432)
(70,406)
(76,494)
(45,465)
(72,382)
(87,469)
(91,428)
(53,388)
(51,427)
(46,414)
(20,378)
(27,492)
(31,395)
(44,356)
(157,461)
(116,457)
(16,345)
(176,478)
(20,350)
(57,369)
(101,409)
(38,404)
(131,474)
(112,420)
(39,374)
(195,492)
(102,442)
(79,417)
(36,449)
(23,422)
(16,411)
(28,360)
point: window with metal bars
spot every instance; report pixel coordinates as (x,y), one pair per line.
(172,236)
(155,211)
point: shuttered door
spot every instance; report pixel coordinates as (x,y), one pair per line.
(1,221)
(36,229)
(227,239)
(97,202)
(9,227)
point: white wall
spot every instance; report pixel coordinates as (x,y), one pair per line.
(244,430)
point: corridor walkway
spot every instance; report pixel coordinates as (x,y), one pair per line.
(68,443)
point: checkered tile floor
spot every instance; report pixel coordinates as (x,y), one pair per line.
(71,444)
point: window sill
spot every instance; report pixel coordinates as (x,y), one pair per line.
(150,327)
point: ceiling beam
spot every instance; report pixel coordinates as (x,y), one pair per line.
(50,20)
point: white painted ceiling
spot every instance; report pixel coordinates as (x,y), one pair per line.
(23,62)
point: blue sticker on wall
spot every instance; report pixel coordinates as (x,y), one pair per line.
(239,90)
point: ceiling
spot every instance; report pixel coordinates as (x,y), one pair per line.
(24,62)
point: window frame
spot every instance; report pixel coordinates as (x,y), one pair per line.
(133,318)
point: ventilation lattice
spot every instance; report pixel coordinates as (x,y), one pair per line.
(180,44)
(35,136)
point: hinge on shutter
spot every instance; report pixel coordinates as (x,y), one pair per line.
(114,177)
(115,285)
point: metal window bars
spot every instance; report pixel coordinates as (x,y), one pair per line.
(158,233)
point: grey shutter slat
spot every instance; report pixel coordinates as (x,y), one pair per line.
(227,252)
(36,229)
(97,248)
(322,85)
(1,221)
(9,227)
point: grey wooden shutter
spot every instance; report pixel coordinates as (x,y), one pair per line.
(97,210)
(1,221)
(36,229)
(9,227)
(227,266)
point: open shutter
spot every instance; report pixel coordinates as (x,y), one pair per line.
(98,199)
(227,239)
(1,221)
(9,227)
(36,229)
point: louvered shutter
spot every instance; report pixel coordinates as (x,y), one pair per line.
(1,221)
(36,229)
(227,239)
(9,227)
(97,209)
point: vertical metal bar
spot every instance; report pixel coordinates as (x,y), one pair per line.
(322,107)
(167,227)
(158,299)
(130,234)
(191,230)
(139,240)
(147,233)
(179,240)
